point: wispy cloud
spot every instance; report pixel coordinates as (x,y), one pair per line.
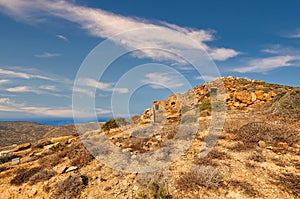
(24,89)
(206,78)
(105,24)
(162,80)
(267,64)
(47,55)
(62,37)
(18,74)
(8,105)
(47,87)
(103,86)
(294,35)
(4,81)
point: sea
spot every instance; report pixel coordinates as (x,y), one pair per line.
(55,121)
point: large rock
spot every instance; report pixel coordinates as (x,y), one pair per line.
(22,147)
(146,116)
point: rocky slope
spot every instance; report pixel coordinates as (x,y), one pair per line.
(21,132)
(257,154)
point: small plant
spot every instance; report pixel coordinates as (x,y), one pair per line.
(200,176)
(41,176)
(158,192)
(57,147)
(141,195)
(205,105)
(69,188)
(114,123)
(23,175)
(257,157)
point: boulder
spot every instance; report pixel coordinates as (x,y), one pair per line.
(260,95)
(146,116)
(262,144)
(22,147)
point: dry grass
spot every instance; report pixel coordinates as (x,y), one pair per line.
(200,176)
(41,176)
(69,188)
(211,158)
(257,156)
(23,175)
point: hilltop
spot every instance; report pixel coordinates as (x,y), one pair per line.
(256,155)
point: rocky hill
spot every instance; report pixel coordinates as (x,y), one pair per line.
(256,154)
(22,132)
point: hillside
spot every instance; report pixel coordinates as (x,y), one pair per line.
(256,154)
(22,132)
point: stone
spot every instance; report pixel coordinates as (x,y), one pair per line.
(283,145)
(146,116)
(262,144)
(72,168)
(260,95)
(22,147)
(15,161)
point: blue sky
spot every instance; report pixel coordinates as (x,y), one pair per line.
(44,44)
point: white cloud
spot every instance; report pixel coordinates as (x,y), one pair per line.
(267,64)
(103,86)
(12,73)
(206,77)
(5,101)
(47,87)
(47,55)
(294,35)
(62,37)
(104,24)
(223,54)
(162,80)
(22,89)
(4,81)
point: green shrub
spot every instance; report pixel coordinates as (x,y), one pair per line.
(158,192)
(205,105)
(57,147)
(114,123)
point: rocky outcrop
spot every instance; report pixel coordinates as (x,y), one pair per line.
(239,94)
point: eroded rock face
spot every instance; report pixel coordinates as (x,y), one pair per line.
(240,94)
(146,116)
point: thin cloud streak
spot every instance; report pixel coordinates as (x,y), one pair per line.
(47,55)
(23,75)
(267,64)
(62,37)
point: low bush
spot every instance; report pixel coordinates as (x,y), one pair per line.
(23,175)
(200,176)
(257,157)
(57,147)
(69,188)
(41,176)
(205,105)
(114,123)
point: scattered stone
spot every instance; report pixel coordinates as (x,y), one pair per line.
(72,168)
(262,144)
(283,145)
(15,161)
